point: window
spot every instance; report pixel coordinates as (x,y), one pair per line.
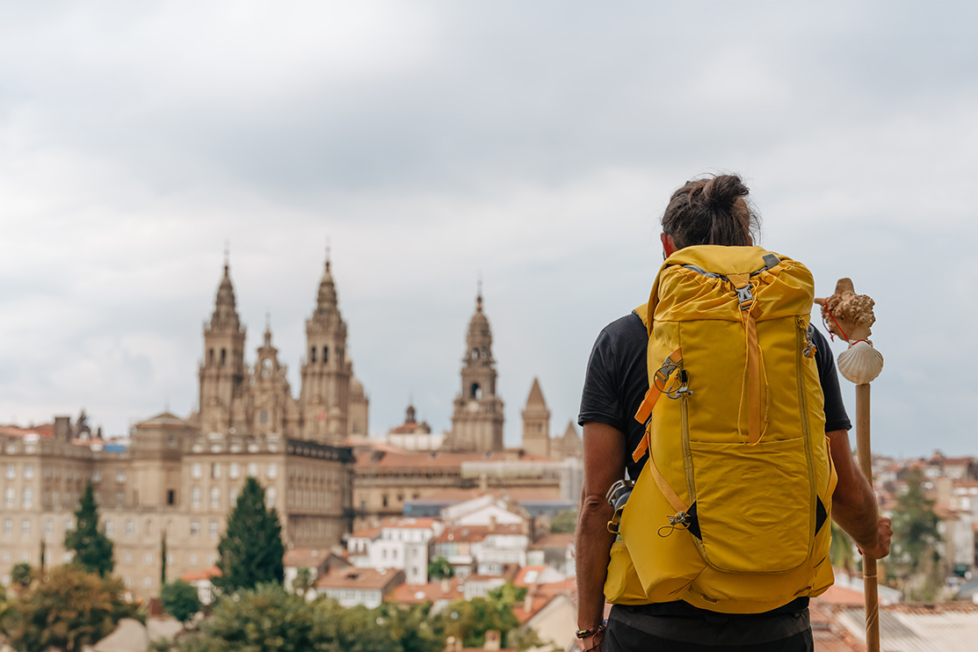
(68,556)
(28,471)
(272,471)
(171,441)
(325,354)
(109,528)
(128,558)
(11,471)
(25,527)
(28,496)
(213,528)
(8,526)
(312,354)
(120,475)
(171,497)
(385,500)
(195,496)
(263,416)
(169,558)
(96,475)
(69,523)
(148,582)
(233,471)
(233,496)
(48,527)
(215,497)
(130,527)
(211,355)
(148,558)
(11,495)
(193,559)
(252,469)
(194,527)
(127,581)
(270,497)
(54,498)
(195,471)
(119,498)
(224,356)
(215,470)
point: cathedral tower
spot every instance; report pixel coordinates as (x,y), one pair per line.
(222,373)
(325,375)
(477,423)
(536,423)
(273,408)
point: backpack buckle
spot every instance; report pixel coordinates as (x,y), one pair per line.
(745,296)
(683,389)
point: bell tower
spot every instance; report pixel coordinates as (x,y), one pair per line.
(222,373)
(324,397)
(477,422)
(536,423)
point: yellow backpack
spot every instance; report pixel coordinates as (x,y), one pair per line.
(732,509)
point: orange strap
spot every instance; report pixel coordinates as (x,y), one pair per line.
(752,366)
(658,385)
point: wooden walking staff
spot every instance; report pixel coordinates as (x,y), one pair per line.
(849,315)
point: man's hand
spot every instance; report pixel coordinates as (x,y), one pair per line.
(881,548)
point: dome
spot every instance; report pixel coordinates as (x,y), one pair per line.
(356,387)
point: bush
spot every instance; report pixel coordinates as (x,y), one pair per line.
(66,610)
(180,600)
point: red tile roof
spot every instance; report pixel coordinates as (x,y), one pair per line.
(44,430)
(430,592)
(842,596)
(538,602)
(472,533)
(360,578)
(205,574)
(304,557)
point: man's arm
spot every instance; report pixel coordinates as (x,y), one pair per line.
(854,505)
(604,464)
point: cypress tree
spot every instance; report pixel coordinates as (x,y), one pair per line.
(251,550)
(163,557)
(93,550)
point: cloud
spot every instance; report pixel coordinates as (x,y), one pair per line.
(534,144)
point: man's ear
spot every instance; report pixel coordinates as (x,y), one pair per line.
(668,245)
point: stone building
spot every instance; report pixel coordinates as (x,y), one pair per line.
(536,423)
(477,421)
(182,477)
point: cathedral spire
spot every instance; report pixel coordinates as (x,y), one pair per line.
(225,316)
(326,299)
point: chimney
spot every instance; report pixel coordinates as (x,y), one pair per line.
(62,428)
(483,482)
(492,523)
(528,601)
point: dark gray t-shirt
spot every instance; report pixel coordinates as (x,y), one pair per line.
(616,382)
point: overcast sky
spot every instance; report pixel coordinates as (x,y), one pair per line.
(536,142)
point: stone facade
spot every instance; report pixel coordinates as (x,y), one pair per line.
(182,477)
(477,421)
(536,423)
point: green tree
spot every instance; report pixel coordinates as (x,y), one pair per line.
(22,575)
(469,620)
(93,550)
(439,569)
(65,610)
(180,600)
(163,556)
(564,522)
(914,525)
(251,550)
(411,626)
(302,582)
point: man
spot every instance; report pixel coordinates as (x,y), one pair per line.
(707,211)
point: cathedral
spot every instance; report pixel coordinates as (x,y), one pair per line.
(238,399)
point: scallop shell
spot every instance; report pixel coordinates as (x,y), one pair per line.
(860,363)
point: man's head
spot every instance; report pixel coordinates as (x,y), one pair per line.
(713,210)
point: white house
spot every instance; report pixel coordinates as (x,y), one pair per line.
(400,543)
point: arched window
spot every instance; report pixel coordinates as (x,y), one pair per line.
(312,354)
(212,356)
(325,354)
(475,354)
(224,356)
(475,391)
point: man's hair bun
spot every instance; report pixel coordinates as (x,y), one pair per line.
(711,210)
